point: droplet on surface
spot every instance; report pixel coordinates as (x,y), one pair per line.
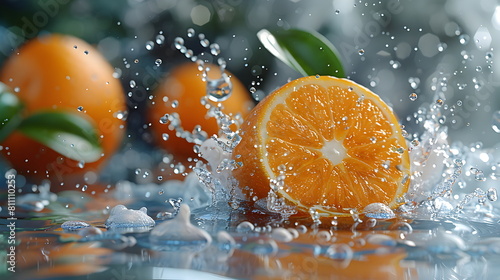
(495,121)
(245,227)
(281,235)
(74,225)
(378,211)
(150,45)
(413,96)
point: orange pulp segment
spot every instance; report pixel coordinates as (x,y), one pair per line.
(339,145)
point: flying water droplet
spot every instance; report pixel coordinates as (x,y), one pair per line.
(464,39)
(178,43)
(149,45)
(215,49)
(160,39)
(492,194)
(219,89)
(495,122)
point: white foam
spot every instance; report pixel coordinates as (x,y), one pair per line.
(179,231)
(121,217)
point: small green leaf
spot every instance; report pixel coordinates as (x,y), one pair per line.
(10,112)
(310,53)
(66,133)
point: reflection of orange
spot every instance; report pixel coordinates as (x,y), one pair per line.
(64,73)
(338,144)
(184,85)
(297,260)
(48,260)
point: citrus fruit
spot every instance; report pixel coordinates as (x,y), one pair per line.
(337,145)
(64,73)
(179,94)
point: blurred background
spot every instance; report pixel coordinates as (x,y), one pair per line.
(434,49)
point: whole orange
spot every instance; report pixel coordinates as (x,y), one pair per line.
(60,72)
(180,93)
(326,146)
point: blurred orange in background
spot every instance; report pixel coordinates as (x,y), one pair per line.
(60,72)
(180,93)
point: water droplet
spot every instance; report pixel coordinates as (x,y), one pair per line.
(245,227)
(489,56)
(160,39)
(165,136)
(337,12)
(84,188)
(117,73)
(81,164)
(492,194)
(215,49)
(132,84)
(80,108)
(178,43)
(158,62)
(495,124)
(395,64)
(361,52)
(190,32)
(86,52)
(479,69)
(378,211)
(440,102)
(340,252)
(121,115)
(74,225)
(203,41)
(219,89)
(281,235)
(413,96)
(464,39)
(442,47)
(137,171)
(149,45)
(414,82)
(175,104)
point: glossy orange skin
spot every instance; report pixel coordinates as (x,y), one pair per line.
(63,73)
(184,84)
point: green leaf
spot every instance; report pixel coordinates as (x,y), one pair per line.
(310,53)
(66,133)
(10,111)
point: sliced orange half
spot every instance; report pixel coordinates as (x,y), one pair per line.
(339,145)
